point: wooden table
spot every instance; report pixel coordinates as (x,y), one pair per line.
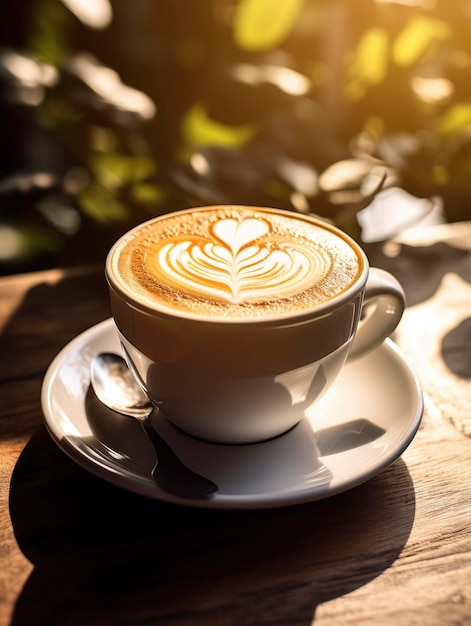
(75,550)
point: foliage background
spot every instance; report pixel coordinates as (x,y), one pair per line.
(115,111)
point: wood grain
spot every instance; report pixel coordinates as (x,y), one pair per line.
(76,550)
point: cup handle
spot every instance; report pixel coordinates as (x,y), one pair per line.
(384,294)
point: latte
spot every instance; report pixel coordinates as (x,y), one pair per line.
(234,262)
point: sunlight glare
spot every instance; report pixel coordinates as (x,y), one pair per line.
(301,176)
(286,79)
(432,90)
(200,164)
(27,71)
(11,243)
(92,13)
(107,84)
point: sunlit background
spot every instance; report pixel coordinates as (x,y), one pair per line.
(114,111)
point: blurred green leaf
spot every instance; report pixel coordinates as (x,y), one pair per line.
(148,194)
(115,170)
(370,61)
(456,119)
(50,39)
(277,189)
(20,241)
(199,130)
(416,37)
(263,24)
(101,205)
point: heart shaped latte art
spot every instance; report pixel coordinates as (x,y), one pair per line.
(243,261)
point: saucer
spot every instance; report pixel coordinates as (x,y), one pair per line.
(361,425)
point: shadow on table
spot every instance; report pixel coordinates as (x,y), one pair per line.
(102,555)
(455,350)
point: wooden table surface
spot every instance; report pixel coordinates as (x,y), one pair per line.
(75,550)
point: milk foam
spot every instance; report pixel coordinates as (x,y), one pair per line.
(235,262)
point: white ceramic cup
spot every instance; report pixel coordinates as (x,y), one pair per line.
(248,379)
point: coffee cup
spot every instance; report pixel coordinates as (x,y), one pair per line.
(236,319)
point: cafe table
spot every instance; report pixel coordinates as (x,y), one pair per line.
(390,545)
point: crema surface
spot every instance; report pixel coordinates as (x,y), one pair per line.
(234,262)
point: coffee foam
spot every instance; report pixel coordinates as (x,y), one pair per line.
(234,262)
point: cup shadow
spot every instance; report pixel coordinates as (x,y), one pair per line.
(291,462)
(103,555)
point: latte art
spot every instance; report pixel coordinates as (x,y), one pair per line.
(244,264)
(234,262)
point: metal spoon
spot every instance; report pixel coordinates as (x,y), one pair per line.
(115,386)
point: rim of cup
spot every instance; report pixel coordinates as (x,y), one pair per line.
(317,310)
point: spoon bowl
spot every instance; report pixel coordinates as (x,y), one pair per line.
(116,387)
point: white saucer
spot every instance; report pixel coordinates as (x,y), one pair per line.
(361,426)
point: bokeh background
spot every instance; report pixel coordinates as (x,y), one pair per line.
(114,111)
